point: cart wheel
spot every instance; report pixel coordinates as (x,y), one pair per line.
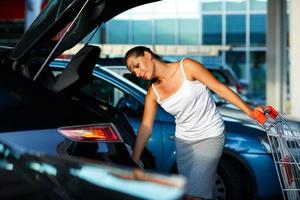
(229,184)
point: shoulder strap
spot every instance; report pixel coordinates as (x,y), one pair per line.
(182,70)
(156,93)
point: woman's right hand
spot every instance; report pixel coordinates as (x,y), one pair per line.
(138,162)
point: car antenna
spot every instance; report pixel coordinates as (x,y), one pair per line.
(59,41)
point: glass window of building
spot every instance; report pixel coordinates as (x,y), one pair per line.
(212,29)
(236,30)
(118,32)
(237,61)
(209,5)
(212,60)
(188,31)
(165,31)
(260,5)
(235,5)
(142,32)
(258,30)
(257,85)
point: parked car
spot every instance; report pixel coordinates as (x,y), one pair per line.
(36,176)
(246,169)
(227,76)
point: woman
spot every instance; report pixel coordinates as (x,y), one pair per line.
(182,89)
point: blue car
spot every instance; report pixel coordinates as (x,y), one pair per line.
(246,169)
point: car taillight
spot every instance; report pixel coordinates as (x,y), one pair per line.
(90,133)
(239,88)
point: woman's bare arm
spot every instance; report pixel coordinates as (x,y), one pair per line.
(197,71)
(145,128)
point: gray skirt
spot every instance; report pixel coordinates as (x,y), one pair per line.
(197,161)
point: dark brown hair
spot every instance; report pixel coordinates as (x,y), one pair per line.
(139,51)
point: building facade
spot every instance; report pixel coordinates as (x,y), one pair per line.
(240,24)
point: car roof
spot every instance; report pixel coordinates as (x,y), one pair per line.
(117,61)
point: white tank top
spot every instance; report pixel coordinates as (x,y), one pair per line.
(195,112)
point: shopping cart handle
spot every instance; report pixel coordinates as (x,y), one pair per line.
(259,117)
(271,111)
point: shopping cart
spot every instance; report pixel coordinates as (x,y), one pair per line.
(285,147)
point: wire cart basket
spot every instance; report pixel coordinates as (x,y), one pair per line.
(285,147)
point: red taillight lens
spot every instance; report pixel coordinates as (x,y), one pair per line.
(91,133)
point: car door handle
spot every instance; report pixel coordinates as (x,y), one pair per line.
(172,137)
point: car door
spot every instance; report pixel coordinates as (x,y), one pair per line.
(114,92)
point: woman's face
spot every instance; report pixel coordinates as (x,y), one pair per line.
(141,66)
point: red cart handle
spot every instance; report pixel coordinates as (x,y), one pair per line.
(261,118)
(271,111)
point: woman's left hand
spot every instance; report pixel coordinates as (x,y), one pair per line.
(259,108)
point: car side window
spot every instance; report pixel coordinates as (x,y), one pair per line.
(104,91)
(109,93)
